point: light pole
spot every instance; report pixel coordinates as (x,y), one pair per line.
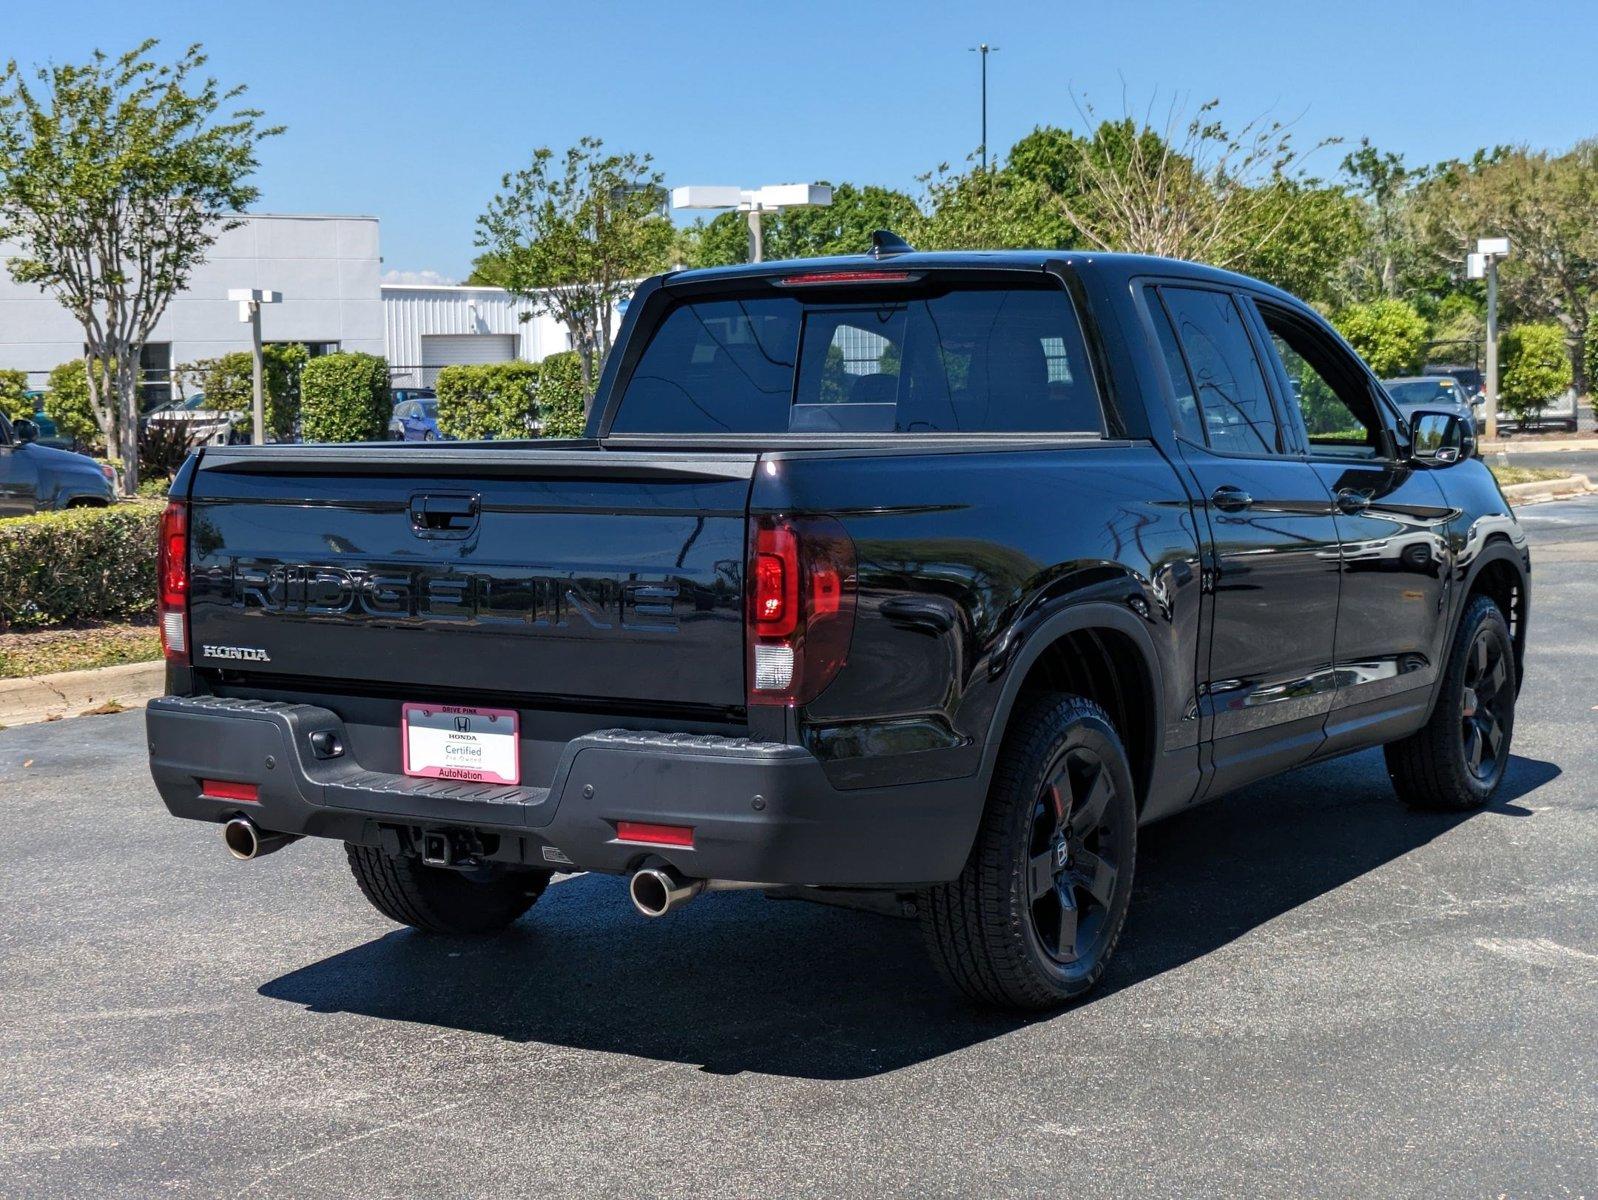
(774,197)
(250,301)
(1484,263)
(984,49)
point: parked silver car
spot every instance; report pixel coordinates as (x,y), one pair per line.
(1434,393)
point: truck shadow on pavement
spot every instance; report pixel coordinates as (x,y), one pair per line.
(737,983)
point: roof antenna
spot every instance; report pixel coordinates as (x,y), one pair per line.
(885,244)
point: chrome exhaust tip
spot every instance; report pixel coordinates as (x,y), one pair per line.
(656,891)
(244,840)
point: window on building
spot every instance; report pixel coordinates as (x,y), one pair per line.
(155,374)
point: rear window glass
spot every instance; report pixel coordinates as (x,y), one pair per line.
(974,360)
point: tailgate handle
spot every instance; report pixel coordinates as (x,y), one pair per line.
(450,515)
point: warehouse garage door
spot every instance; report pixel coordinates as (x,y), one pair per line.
(448,349)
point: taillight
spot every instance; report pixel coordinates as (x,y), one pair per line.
(801,607)
(172,567)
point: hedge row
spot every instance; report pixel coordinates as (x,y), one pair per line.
(82,564)
(344,398)
(512,399)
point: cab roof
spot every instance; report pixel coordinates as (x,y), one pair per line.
(1085,263)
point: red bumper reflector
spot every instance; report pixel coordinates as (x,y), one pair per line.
(655,835)
(223,789)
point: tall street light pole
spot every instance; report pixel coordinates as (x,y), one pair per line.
(250,301)
(754,201)
(984,49)
(1485,263)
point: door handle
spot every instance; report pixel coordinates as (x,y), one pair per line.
(1230,498)
(1351,502)
(444,516)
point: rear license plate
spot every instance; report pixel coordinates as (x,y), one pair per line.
(449,741)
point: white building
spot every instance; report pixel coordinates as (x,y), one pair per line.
(427,327)
(327,268)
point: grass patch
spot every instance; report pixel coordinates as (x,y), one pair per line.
(1508,475)
(42,651)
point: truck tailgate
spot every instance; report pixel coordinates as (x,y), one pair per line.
(568,572)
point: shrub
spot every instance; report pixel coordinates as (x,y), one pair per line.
(1536,368)
(163,445)
(66,401)
(513,400)
(229,384)
(1388,334)
(560,396)
(82,564)
(14,401)
(344,398)
(490,400)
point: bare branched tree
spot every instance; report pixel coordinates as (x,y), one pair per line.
(1189,188)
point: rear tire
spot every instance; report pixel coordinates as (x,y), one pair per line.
(441,900)
(1455,762)
(1033,918)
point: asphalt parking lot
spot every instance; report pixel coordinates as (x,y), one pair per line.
(1318,994)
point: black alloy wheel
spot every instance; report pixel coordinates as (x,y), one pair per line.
(1072,867)
(1483,703)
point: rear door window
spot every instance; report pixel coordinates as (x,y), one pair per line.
(1233,399)
(966,360)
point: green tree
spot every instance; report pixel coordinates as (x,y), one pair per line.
(1590,356)
(116,176)
(228,383)
(14,400)
(1536,368)
(1547,205)
(573,234)
(995,209)
(66,401)
(1388,334)
(1320,230)
(1385,188)
(843,227)
(1459,329)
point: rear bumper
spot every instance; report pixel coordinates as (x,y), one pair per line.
(760,811)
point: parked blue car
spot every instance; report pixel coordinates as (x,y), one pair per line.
(36,478)
(415,417)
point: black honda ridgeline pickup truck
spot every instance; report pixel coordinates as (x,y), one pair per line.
(913,581)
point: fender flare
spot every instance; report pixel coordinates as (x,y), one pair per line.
(1498,549)
(1047,628)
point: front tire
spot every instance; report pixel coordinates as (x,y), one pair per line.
(1033,918)
(1455,762)
(441,900)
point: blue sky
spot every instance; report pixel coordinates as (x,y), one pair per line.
(412,110)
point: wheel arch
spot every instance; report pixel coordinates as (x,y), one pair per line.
(1499,572)
(1098,650)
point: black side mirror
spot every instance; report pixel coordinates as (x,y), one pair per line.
(1440,438)
(25,430)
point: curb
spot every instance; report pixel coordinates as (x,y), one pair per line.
(1547,489)
(69,693)
(1552,446)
